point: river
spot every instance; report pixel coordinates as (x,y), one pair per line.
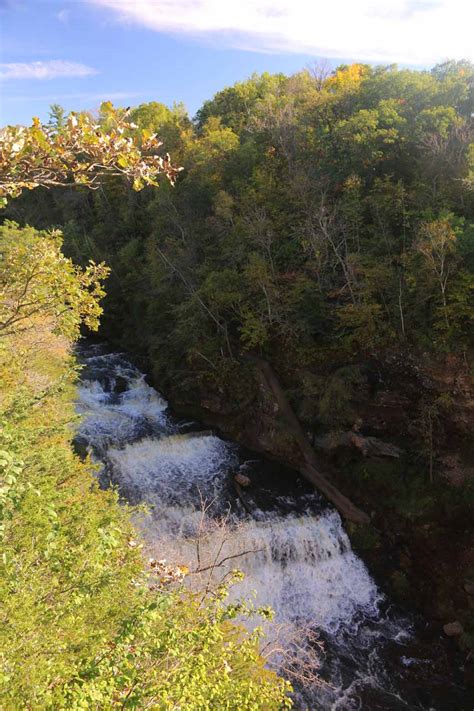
(331,619)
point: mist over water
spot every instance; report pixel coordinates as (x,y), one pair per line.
(293,548)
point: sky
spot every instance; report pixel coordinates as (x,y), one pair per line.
(80,52)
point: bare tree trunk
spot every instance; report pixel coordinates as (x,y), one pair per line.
(430,440)
(326,225)
(400,306)
(445,303)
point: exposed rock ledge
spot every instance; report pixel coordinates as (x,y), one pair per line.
(368,446)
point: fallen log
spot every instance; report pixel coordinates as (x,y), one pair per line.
(310,469)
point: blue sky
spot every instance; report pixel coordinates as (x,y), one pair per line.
(80,52)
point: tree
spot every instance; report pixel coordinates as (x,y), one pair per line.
(57,116)
(83,152)
(171,124)
(38,282)
(437,244)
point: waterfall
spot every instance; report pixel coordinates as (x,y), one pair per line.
(293,549)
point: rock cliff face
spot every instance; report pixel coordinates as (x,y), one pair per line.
(388,417)
(408,460)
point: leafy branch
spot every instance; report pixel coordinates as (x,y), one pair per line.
(80,152)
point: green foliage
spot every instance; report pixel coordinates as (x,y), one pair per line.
(172,125)
(337,396)
(233,104)
(364,538)
(57,117)
(37,281)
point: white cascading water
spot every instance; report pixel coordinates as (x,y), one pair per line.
(293,549)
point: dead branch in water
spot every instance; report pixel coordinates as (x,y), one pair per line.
(296,653)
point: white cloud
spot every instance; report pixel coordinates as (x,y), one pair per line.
(410,31)
(45,70)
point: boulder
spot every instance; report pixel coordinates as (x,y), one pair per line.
(469,588)
(453,629)
(242,479)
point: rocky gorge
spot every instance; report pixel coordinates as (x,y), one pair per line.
(419,549)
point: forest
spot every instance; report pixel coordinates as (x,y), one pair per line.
(323,224)
(317,219)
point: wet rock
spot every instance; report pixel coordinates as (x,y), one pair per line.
(368,446)
(199,433)
(242,479)
(80,446)
(121,385)
(453,629)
